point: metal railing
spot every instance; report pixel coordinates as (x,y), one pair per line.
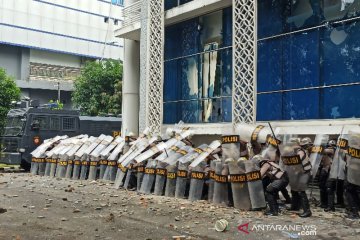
(131,13)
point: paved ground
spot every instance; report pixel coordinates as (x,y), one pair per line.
(34,207)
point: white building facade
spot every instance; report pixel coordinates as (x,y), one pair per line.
(216,63)
(44,44)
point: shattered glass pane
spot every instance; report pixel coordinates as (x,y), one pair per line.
(197,75)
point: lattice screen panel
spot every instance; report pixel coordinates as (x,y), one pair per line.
(151,84)
(244,60)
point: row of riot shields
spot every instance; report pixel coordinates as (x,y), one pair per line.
(79,157)
(168,165)
(283,147)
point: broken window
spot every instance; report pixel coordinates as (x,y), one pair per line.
(198,69)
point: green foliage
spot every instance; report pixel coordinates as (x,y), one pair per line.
(99,88)
(8,92)
(58,105)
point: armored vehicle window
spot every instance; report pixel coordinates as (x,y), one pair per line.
(54,123)
(42,121)
(68,123)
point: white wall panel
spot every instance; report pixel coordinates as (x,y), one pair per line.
(34,21)
(20,19)
(8,4)
(47,25)
(8,16)
(25,15)
(19,36)
(47,41)
(33,38)
(7,34)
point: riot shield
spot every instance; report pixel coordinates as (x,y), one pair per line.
(197,180)
(47,167)
(135,151)
(160,178)
(85,164)
(41,167)
(70,155)
(95,155)
(181,180)
(337,170)
(61,168)
(170,181)
(317,152)
(271,148)
(76,170)
(239,185)
(93,168)
(214,145)
(163,146)
(171,151)
(112,170)
(253,133)
(220,184)
(52,143)
(211,181)
(128,163)
(53,163)
(107,151)
(34,165)
(193,154)
(255,185)
(149,177)
(69,169)
(140,170)
(131,176)
(120,175)
(173,158)
(230,145)
(353,163)
(102,165)
(292,164)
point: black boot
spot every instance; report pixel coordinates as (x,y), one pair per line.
(286,195)
(340,194)
(353,214)
(305,205)
(330,207)
(323,199)
(273,206)
(295,202)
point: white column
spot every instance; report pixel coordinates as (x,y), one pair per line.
(244,60)
(130,88)
(152,61)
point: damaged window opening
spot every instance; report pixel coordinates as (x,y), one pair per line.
(197,83)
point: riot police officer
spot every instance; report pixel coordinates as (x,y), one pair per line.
(324,170)
(352,184)
(278,181)
(297,164)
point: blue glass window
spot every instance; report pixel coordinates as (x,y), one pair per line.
(308,59)
(198,71)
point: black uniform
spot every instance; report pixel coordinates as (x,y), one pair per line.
(278,181)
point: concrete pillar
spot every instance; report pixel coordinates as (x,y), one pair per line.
(130,88)
(25,64)
(131,80)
